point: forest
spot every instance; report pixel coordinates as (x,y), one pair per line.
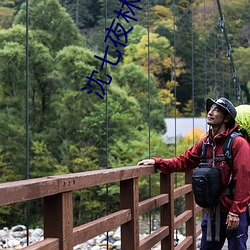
(174,57)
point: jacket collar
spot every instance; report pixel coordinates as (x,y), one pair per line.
(221,136)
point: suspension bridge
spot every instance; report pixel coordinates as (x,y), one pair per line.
(56,192)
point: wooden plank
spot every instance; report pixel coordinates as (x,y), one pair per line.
(90,230)
(154,238)
(178,192)
(129,195)
(24,190)
(46,244)
(190,205)
(58,219)
(167,210)
(198,231)
(99,177)
(198,209)
(185,244)
(182,218)
(152,203)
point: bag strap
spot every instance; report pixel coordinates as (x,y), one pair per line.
(227,151)
(227,148)
(203,152)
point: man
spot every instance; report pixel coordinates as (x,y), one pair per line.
(221,115)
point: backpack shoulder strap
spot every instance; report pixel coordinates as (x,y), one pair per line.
(227,148)
(203,152)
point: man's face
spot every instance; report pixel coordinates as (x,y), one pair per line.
(215,116)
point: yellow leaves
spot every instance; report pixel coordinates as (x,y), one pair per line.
(160,53)
(172,84)
(162,12)
(179,69)
(170,102)
(188,107)
(203,114)
(161,15)
(166,96)
(195,134)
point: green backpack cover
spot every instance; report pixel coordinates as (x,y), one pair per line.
(243,119)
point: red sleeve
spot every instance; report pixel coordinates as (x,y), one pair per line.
(241,175)
(183,163)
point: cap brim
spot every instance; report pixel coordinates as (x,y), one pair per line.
(209,103)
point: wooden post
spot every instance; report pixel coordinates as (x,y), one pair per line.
(167,210)
(190,205)
(129,198)
(58,219)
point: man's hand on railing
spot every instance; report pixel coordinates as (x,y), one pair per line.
(146,162)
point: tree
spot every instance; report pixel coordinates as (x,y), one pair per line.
(242,64)
(53,25)
(85,14)
(40,60)
(161,57)
(132,78)
(160,54)
(161,16)
(12,124)
(6,17)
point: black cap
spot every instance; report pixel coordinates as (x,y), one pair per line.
(223,103)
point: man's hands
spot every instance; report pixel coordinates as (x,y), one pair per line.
(146,162)
(232,221)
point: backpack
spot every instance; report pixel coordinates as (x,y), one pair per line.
(243,120)
(206,179)
(206,185)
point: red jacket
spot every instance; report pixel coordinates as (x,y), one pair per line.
(241,167)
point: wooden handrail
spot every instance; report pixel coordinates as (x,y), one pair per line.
(56,191)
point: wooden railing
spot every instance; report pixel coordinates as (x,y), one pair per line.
(59,232)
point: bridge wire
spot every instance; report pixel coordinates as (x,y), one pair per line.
(222,68)
(215,52)
(192,76)
(229,55)
(175,94)
(27,206)
(106,118)
(229,83)
(174,78)
(205,49)
(149,120)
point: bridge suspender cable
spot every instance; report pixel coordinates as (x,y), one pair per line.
(175,95)
(27,204)
(205,50)
(215,50)
(149,120)
(174,71)
(192,74)
(107,124)
(229,52)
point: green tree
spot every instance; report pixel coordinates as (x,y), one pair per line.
(85,14)
(132,78)
(242,64)
(42,163)
(6,17)
(53,25)
(12,124)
